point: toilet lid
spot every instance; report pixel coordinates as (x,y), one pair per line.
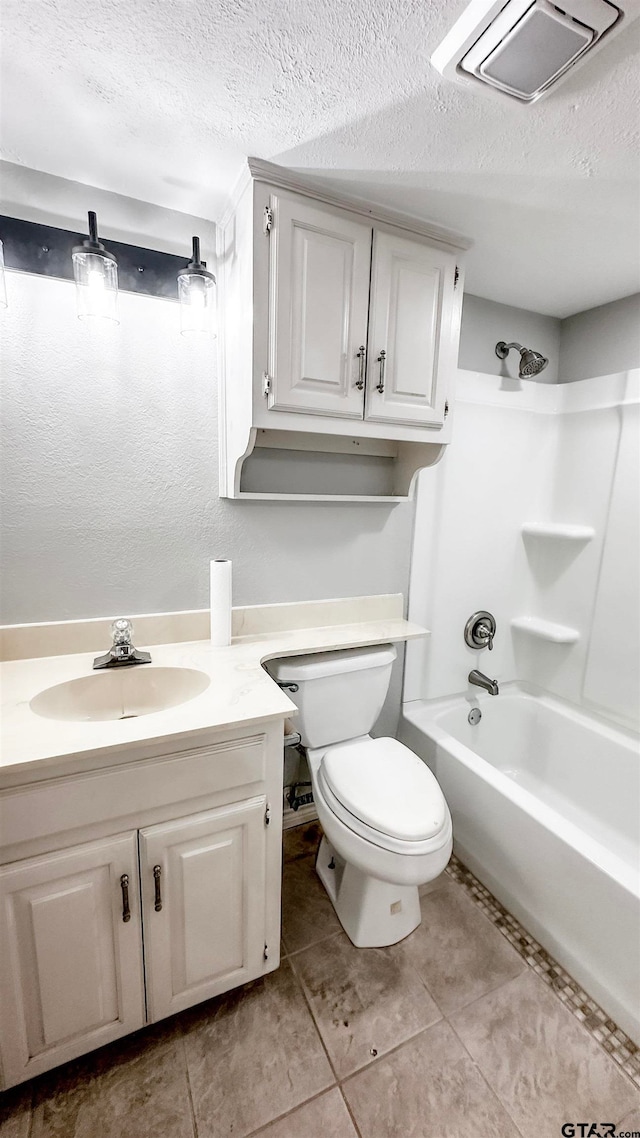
(383,784)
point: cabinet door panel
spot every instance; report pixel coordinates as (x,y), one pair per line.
(209,934)
(318,302)
(72,968)
(411,322)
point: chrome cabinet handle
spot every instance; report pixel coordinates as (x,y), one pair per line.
(157,873)
(381,360)
(361,355)
(124,885)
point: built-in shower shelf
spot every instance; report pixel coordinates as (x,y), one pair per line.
(546,629)
(560,530)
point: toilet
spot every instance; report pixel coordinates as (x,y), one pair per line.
(387,827)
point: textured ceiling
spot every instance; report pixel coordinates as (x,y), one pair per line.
(163,99)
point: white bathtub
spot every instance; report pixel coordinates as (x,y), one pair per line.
(546,812)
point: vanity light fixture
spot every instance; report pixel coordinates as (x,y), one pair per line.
(95,270)
(197,295)
(3,286)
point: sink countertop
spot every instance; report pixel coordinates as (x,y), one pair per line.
(240,694)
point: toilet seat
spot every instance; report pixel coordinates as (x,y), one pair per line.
(382,791)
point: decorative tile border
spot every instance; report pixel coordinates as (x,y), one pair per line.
(603,1029)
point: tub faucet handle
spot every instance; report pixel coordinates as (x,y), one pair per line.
(487,633)
(480,630)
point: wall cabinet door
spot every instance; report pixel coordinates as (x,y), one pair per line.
(410,331)
(203,896)
(71,977)
(318,306)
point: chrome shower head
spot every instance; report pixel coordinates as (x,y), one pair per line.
(531,363)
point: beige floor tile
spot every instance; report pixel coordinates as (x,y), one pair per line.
(540,1062)
(253,1055)
(429,1088)
(325,1117)
(456,950)
(136,1087)
(15,1112)
(307,912)
(437,883)
(301,841)
(364,999)
(631,1122)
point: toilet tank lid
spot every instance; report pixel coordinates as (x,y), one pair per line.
(292,669)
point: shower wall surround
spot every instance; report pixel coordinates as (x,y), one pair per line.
(562,454)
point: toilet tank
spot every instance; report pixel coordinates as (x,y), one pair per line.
(339,694)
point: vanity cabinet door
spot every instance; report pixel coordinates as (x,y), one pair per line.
(412,341)
(203,896)
(71,977)
(319,260)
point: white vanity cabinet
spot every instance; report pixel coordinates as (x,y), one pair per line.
(339,336)
(71,972)
(203,898)
(132,891)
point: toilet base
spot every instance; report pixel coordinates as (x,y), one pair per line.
(373,913)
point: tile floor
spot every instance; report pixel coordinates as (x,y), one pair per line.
(450,1034)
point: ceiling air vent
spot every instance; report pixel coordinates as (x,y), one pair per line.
(523,47)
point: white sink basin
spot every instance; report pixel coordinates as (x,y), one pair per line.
(120,693)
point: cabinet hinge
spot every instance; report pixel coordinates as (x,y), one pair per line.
(456,277)
(266,384)
(267,815)
(446,409)
(266,952)
(267,220)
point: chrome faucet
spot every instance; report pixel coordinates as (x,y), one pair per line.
(122,652)
(482,681)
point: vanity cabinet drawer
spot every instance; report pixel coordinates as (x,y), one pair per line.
(136,788)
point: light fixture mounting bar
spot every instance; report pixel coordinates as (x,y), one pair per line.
(46,251)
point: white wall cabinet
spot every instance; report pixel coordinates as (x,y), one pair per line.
(327,356)
(130,893)
(318,309)
(411,358)
(339,333)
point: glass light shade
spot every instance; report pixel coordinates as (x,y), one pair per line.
(197,295)
(3,286)
(96,278)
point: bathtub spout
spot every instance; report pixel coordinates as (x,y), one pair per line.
(482,681)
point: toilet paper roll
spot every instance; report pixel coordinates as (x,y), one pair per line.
(220,602)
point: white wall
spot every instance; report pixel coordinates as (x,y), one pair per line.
(34,196)
(601,340)
(110,454)
(109,458)
(109,464)
(110,477)
(562,454)
(484,323)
